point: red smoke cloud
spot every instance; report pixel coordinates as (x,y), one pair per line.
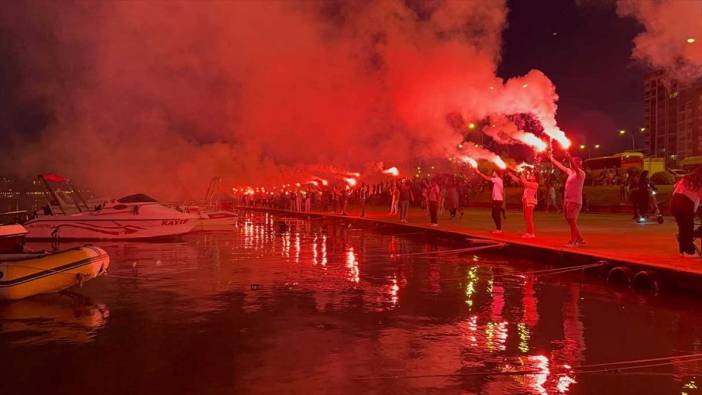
(673,37)
(159,96)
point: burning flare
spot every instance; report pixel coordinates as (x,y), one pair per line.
(351,181)
(532,141)
(470,161)
(392,171)
(559,136)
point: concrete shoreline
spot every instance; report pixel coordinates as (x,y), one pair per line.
(665,267)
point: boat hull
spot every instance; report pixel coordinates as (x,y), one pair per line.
(217,220)
(107,229)
(25,275)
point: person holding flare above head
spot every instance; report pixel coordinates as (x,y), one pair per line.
(529,199)
(573,195)
(498,196)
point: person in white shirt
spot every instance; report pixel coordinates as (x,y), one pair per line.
(683,205)
(573,196)
(529,200)
(498,197)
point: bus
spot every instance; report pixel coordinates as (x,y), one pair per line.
(623,162)
(619,162)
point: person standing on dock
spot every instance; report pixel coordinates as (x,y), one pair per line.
(406,196)
(551,200)
(433,197)
(683,206)
(529,200)
(363,197)
(344,199)
(451,200)
(498,197)
(572,196)
(308,200)
(394,198)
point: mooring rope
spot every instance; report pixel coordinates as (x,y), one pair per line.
(555,271)
(609,367)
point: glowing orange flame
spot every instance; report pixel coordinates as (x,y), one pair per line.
(472,162)
(559,136)
(499,162)
(392,171)
(351,181)
(531,140)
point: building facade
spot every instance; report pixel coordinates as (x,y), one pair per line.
(672,118)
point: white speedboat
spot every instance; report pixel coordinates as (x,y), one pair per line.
(128,218)
(132,217)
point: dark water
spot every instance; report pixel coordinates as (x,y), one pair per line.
(332,308)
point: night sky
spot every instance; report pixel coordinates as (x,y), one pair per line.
(586,52)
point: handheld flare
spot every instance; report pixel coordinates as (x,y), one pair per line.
(393,171)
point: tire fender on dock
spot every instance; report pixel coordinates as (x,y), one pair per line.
(620,276)
(647,281)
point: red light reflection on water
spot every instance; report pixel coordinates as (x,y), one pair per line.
(352,266)
(324,250)
(502,319)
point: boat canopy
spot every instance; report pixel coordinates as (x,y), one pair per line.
(137,198)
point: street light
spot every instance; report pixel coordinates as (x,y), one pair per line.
(584,147)
(633,139)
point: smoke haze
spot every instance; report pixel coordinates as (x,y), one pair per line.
(669,25)
(160,96)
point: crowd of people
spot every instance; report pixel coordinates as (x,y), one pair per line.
(560,189)
(441,194)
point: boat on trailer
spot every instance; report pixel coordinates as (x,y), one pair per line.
(135,217)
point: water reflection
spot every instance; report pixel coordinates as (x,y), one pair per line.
(290,305)
(65,318)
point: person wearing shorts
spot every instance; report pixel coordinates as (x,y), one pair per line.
(572,196)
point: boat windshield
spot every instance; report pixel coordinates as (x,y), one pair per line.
(137,198)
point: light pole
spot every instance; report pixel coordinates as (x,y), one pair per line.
(583,147)
(633,138)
